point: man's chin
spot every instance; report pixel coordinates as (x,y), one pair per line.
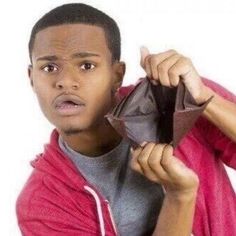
(75,128)
(72,131)
(68,131)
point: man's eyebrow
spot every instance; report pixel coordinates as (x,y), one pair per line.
(75,55)
(85,54)
(48,58)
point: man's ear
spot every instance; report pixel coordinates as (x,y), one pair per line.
(119,69)
(30,75)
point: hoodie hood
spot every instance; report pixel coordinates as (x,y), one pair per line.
(54,162)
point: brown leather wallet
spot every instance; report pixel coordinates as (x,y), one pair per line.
(155,113)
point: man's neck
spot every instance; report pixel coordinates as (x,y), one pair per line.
(94,143)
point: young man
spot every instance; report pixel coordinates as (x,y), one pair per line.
(82,183)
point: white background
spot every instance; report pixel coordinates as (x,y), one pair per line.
(203,30)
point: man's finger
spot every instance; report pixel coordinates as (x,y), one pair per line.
(173,166)
(133,162)
(163,70)
(154,161)
(143,161)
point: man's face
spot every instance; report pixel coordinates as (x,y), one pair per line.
(71,65)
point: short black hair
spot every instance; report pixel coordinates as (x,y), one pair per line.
(74,13)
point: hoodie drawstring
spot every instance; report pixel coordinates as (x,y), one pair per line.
(99,209)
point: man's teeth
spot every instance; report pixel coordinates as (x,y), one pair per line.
(68,104)
(71,103)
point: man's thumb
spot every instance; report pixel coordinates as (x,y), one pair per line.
(144,53)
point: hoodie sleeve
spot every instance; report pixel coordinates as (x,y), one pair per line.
(224,147)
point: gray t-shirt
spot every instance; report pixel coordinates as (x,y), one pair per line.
(135,201)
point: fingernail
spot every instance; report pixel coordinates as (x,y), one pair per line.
(143,144)
(143,48)
(131,150)
(154,82)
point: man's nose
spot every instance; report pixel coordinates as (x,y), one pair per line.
(68,80)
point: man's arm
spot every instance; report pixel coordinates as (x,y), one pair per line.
(157,163)
(176,216)
(221,113)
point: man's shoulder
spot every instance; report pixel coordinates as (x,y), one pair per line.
(33,183)
(42,193)
(29,193)
(47,204)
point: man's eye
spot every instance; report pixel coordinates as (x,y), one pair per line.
(87,66)
(50,68)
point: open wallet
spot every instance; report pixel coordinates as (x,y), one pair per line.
(155,113)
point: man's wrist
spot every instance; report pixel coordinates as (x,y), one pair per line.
(205,94)
(180,197)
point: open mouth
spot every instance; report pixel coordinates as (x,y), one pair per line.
(67,104)
(69,108)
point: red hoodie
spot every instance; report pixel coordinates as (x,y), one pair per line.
(57,200)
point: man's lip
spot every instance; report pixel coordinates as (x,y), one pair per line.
(70,97)
(70,110)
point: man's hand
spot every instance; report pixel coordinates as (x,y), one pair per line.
(169,67)
(157,163)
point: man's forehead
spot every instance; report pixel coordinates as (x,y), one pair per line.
(75,28)
(70,38)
